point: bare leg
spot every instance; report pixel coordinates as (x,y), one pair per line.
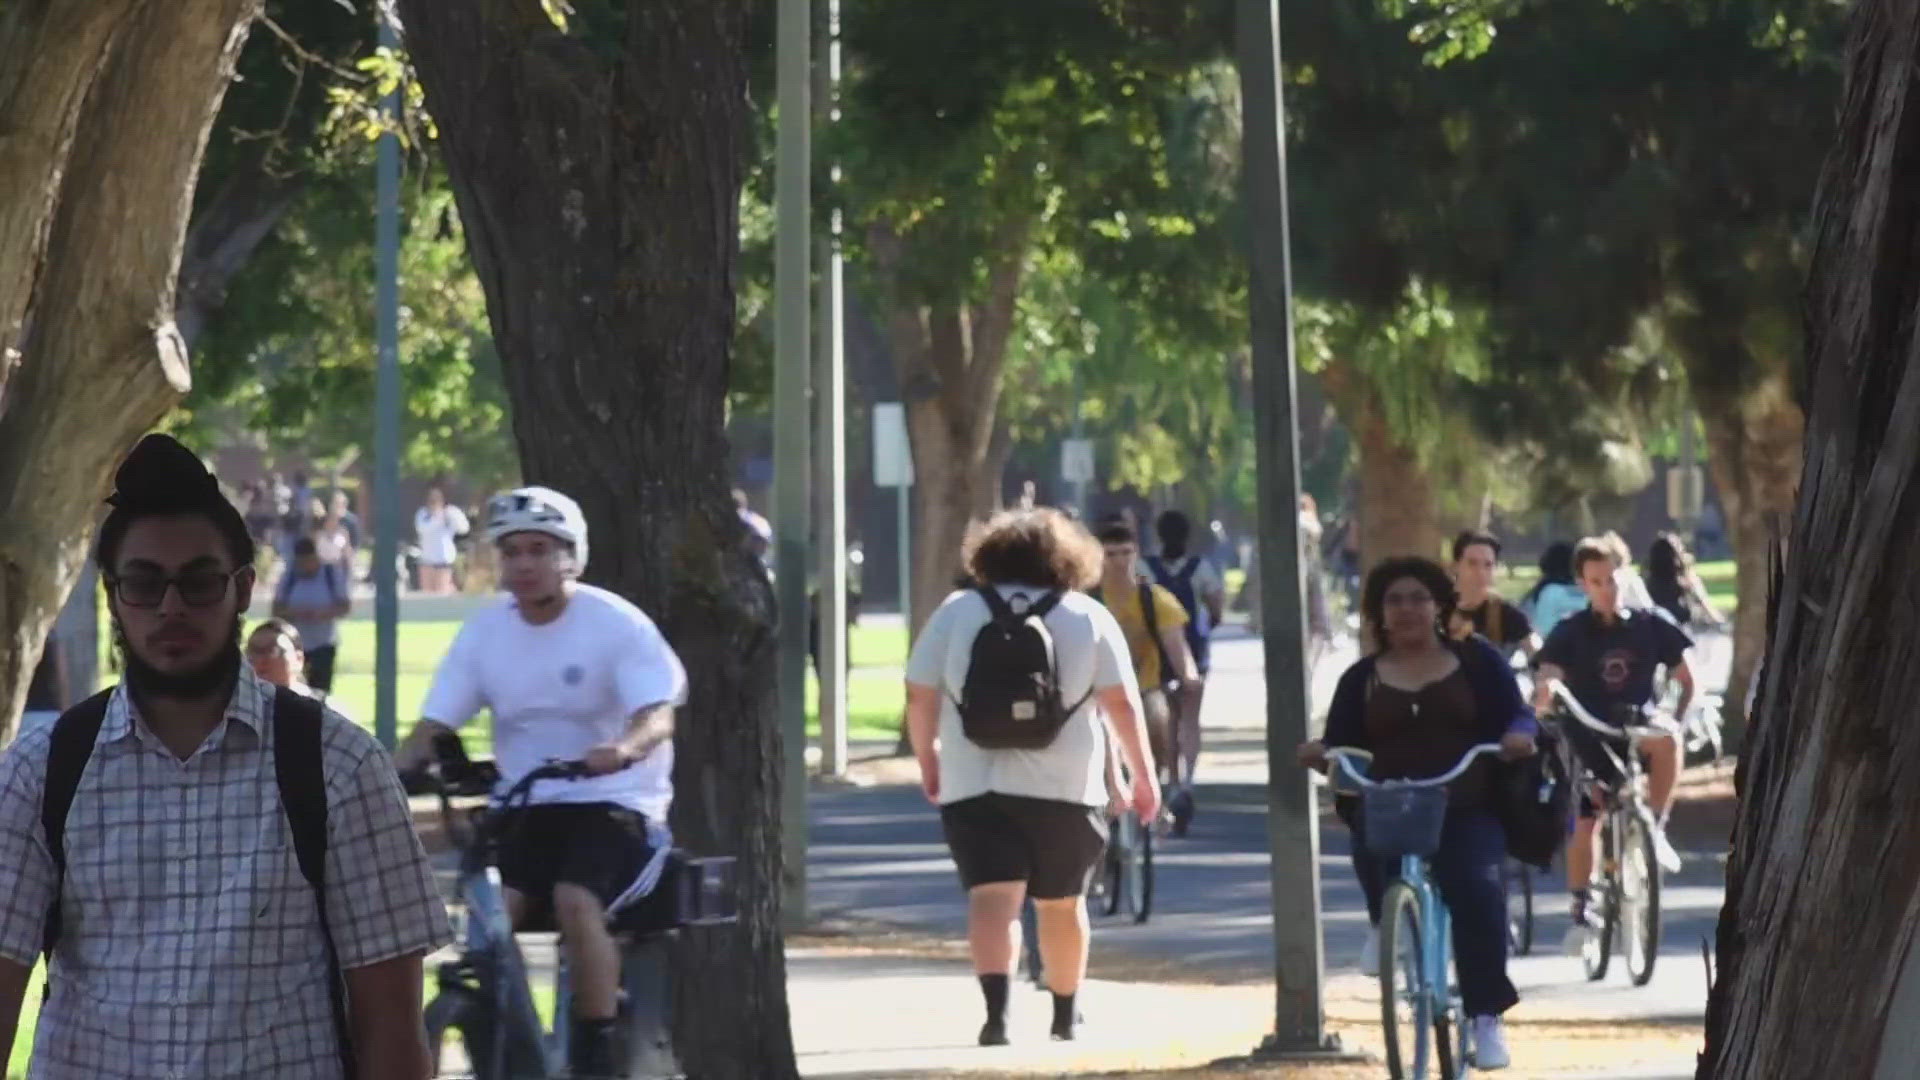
(1580,853)
(592,956)
(1189,721)
(1663,771)
(993,926)
(1064,936)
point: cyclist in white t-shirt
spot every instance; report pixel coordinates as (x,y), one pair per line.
(568,671)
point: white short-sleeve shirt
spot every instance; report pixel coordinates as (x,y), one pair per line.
(559,689)
(1092,655)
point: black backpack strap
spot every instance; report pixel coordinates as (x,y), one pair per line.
(1044,606)
(299,769)
(67,755)
(1192,567)
(997,607)
(1152,618)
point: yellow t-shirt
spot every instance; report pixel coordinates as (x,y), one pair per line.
(1133,623)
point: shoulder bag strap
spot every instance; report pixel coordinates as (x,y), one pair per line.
(298,766)
(67,755)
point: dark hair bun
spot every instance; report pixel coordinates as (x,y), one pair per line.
(161,475)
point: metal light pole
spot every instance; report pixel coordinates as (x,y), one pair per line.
(793,458)
(830,436)
(1292,824)
(386,411)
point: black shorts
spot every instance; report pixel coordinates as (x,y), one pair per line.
(320,668)
(600,847)
(1051,845)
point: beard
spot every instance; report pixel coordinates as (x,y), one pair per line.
(147,681)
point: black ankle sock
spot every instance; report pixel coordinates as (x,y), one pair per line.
(994,987)
(1064,1016)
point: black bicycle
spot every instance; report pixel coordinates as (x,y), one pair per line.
(485,997)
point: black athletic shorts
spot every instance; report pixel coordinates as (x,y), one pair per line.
(601,847)
(1051,845)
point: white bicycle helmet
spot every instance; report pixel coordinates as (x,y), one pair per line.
(541,510)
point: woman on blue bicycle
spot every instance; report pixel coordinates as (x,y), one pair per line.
(1418,705)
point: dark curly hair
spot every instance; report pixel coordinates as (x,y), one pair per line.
(1373,599)
(1041,547)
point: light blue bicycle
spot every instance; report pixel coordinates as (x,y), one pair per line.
(1421,1016)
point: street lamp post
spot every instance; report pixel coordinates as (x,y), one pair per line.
(1293,825)
(792,415)
(386,409)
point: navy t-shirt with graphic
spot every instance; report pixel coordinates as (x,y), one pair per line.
(1610,665)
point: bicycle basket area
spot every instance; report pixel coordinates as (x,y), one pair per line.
(1403,820)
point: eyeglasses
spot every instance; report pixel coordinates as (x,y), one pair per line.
(198,588)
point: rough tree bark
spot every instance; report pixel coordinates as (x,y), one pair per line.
(950,356)
(101,359)
(599,179)
(1817,971)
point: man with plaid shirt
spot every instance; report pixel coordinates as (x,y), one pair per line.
(190,942)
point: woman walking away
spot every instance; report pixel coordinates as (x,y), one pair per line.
(1673,583)
(1556,595)
(1418,706)
(1014,688)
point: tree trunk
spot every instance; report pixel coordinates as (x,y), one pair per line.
(102,360)
(599,182)
(950,356)
(1754,447)
(50,53)
(1397,511)
(1817,974)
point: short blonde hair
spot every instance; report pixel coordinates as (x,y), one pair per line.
(1041,547)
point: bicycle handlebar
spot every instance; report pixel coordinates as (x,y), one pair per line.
(1341,754)
(1588,720)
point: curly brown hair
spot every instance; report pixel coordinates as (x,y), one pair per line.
(1373,597)
(1041,547)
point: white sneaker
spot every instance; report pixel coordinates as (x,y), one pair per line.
(1663,852)
(1370,952)
(1490,1043)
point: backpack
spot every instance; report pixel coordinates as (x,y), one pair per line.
(297,768)
(329,572)
(1180,584)
(1534,800)
(1011,698)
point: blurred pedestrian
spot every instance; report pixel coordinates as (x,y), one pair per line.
(314,597)
(274,653)
(438,525)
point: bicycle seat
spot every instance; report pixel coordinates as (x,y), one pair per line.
(692,891)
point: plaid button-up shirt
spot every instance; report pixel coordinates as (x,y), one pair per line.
(190,943)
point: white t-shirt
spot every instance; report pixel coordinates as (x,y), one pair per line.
(560,689)
(1092,655)
(437,533)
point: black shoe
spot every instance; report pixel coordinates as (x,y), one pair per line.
(994,1033)
(1066,1032)
(1183,811)
(597,1051)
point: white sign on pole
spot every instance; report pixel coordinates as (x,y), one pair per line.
(1076,461)
(892,453)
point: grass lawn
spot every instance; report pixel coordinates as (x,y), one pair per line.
(874,695)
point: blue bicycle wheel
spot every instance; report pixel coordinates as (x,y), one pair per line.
(1406,1001)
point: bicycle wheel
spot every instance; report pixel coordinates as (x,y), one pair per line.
(1113,868)
(1445,1063)
(1406,1001)
(1140,881)
(1640,900)
(1598,951)
(1519,908)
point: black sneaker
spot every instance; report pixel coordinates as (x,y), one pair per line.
(994,1033)
(1182,807)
